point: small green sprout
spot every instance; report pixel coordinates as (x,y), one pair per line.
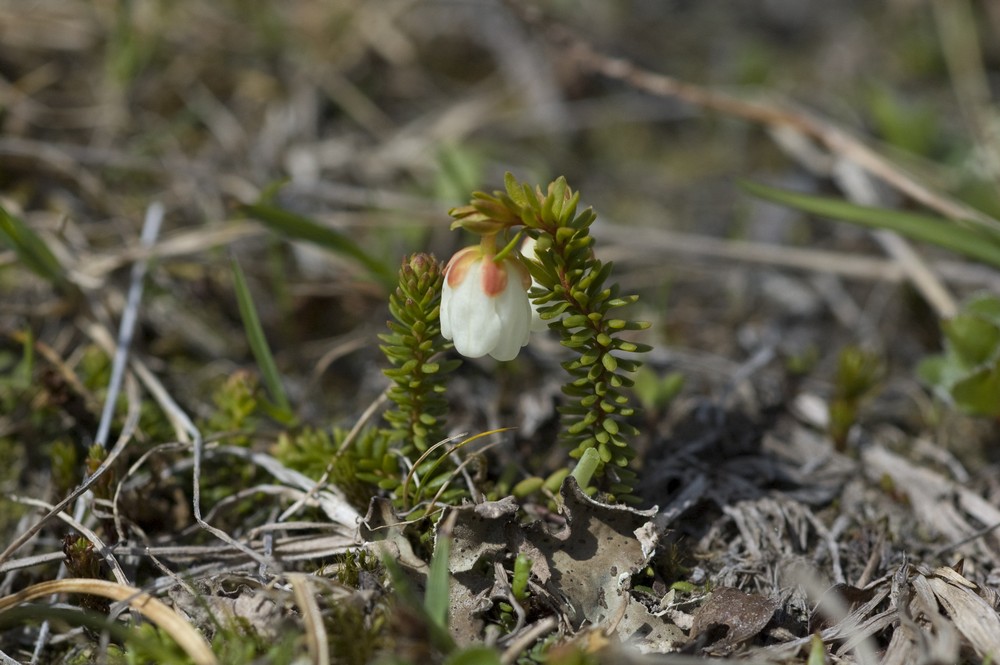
(858,373)
(522,573)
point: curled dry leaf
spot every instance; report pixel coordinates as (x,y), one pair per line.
(383,527)
(587,565)
(483,529)
(731,617)
(249,603)
(646,632)
(480,531)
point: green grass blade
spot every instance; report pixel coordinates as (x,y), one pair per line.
(439,636)
(258,343)
(438,594)
(302,228)
(977,244)
(30,248)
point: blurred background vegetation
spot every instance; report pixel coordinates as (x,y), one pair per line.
(364,121)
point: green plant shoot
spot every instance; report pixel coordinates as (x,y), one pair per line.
(485,309)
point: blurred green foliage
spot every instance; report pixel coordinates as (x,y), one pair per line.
(907,125)
(967,373)
(655,391)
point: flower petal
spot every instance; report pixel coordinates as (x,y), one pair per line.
(484,305)
(447,295)
(472,316)
(514,310)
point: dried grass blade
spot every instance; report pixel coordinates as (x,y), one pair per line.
(189,639)
(103,550)
(774,116)
(126,329)
(316,638)
(973,617)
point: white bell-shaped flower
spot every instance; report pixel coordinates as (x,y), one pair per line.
(484,305)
